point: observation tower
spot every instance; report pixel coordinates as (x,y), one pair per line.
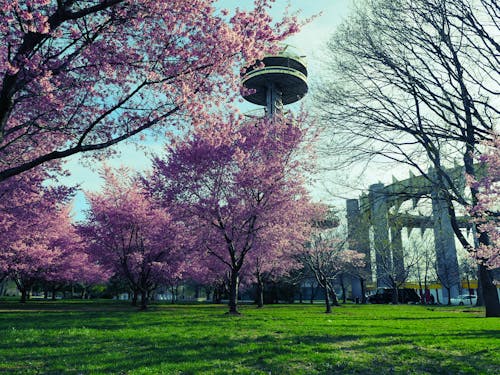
(277,80)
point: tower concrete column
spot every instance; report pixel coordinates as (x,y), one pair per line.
(381,242)
(446,252)
(358,235)
(397,253)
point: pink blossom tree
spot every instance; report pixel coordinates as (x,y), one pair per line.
(233,183)
(132,237)
(485,209)
(78,76)
(274,255)
(36,227)
(39,242)
(73,265)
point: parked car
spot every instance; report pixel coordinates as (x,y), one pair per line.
(464,299)
(384,295)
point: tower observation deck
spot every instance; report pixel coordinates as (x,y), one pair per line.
(277,80)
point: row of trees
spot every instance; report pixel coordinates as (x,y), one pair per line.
(80,76)
(227,202)
(416,82)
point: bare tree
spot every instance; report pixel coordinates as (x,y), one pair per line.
(424,271)
(417,82)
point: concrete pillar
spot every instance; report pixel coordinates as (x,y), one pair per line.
(274,102)
(358,235)
(397,253)
(381,242)
(446,252)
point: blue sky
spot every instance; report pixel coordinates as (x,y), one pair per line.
(309,42)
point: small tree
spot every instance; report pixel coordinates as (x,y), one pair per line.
(131,236)
(326,257)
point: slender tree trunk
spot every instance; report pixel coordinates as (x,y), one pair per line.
(395,299)
(363,291)
(276,293)
(468,288)
(24,294)
(135,296)
(342,285)
(313,292)
(144,299)
(217,295)
(328,306)
(334,299)
(449,295)
(53,294)
(260,292)
(233,292)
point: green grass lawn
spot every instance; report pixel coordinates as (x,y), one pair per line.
(113,338)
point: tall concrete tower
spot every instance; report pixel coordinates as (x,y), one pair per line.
(277,80)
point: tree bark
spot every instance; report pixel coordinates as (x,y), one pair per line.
(24,295)
(233,292)
(489,292)
(342,285)
(144,299)
(395,299)
(363,291)
(328,306)
(260,292)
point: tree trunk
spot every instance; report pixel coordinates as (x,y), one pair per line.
(134,297)
(334,299)
(276,293)
(233,292)
(363,291)
(342,285)
(313,293)
(53,294)
(217,294)
(395,296)
(448,290)
(260,292)
(328,306)
(24,295)
(144,299)
(489,292)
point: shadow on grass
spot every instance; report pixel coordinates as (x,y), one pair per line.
(202,340)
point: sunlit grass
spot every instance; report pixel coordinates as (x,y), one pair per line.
(111,337)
